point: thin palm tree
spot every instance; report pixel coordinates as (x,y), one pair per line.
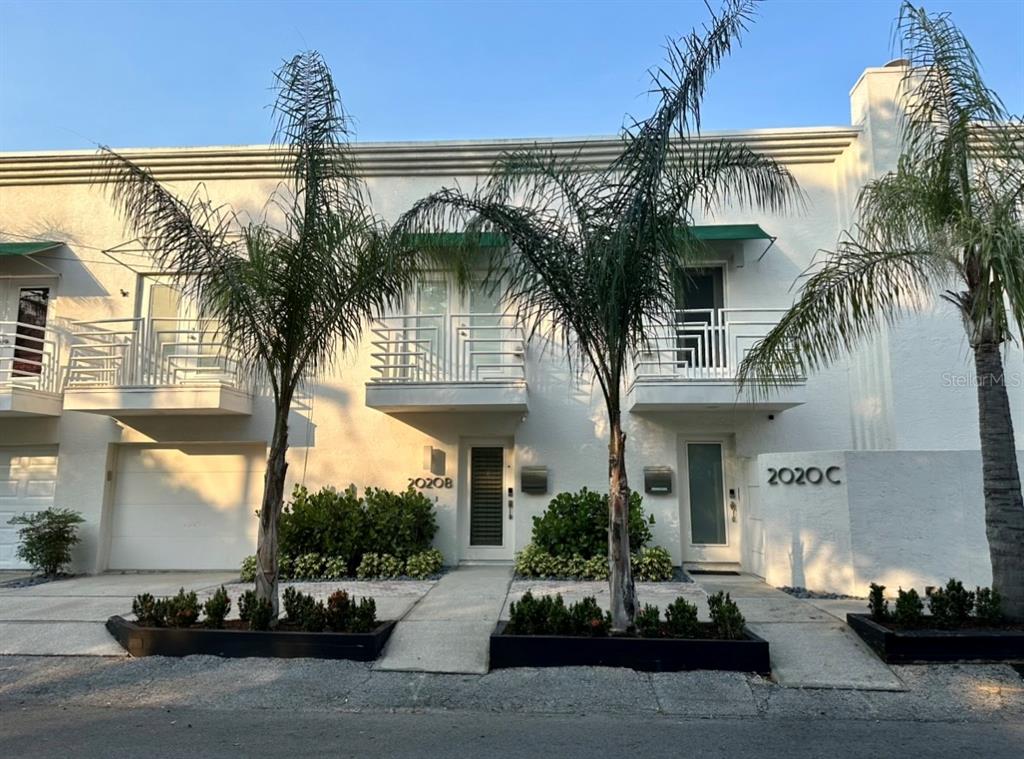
(594,255)
(948,220)
(289,288)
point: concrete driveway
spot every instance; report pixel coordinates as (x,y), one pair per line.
(66,617)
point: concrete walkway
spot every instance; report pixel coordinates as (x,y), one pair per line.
(449,629)
(811,645)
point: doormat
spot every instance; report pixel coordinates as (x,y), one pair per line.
(713,572)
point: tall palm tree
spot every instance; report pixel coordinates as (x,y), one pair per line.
(594,256)
(288,289)
(949,220)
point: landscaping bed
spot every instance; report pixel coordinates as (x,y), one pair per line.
(900,645)
(235,640)
(747,654)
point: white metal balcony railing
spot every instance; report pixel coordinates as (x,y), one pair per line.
(150,353)
(448,348)
(702,344)
(28,357)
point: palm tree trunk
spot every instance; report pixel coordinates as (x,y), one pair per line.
(623,591)
(1004,507)
(273,502)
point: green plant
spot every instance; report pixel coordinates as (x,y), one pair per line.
(217,608)
(382,566)
(909,610)
(247,573)
(652,564)
(363,616)
(951,606)
(681,619)
(339,611)
(256,612)
(988,606)
(400,524)
(577,524)
(309,566)
(149,611)
(327,522)
(648,622)
(182,610)
(877,604)
(47,537)
(725,616)
(425,564)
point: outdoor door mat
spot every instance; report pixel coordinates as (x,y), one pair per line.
(645,654)
(724,572)
(173,641)
(908,646)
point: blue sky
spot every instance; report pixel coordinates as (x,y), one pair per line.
(147,74)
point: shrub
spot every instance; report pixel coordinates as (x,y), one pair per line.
(339,611)
(364,616)
(248,570)
(577,523)
(909,608)
(400,524)
(988,606)
(149,611)
(181,610)
(47,537)
(681,619)
(424,564)
(652,564)
(327,522)
(725,616)
(217,608)
(951,606)
(877,604)
(256,612)
(648,622)
(309,566)
(382,566)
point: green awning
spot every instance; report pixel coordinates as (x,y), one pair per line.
(730,232)
(26,248)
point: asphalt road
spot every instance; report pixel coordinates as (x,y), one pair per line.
(85,732)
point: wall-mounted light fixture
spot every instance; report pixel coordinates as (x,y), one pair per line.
(658,480)
(533,479)
(434,460)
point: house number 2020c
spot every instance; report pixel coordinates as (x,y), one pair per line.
(798,475)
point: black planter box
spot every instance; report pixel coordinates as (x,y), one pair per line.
(908,646)
(170,641)
(646,654)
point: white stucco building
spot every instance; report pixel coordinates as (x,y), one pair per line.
(114,402)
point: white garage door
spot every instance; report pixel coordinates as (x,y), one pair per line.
(28,479)
(186,506)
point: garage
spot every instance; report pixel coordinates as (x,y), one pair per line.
(28,480)
(185,506)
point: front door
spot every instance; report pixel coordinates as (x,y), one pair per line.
(489,507)
(709,514)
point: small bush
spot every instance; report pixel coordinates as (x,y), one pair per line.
(248,570)
(648,622)
(309,566)
(725,616)
(951,606)
(339,611)
(382,566)
(988,606)
(149,611)
(328,523)
(909,610)
(399,524)
(364,616)
(217,608)
(47,537)
(577,523)
(425,564)
(652,565)
(877,604)
(182,610)
(256,612)
(681,619)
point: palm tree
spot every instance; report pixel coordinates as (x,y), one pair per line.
(290,287)
(593,257)
(947,220)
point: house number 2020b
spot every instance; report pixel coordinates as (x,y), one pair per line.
(798,475)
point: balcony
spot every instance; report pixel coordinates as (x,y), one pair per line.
(692,360)
(28,371)
(447,362)
(139,367)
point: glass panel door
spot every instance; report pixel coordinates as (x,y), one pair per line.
(706,493)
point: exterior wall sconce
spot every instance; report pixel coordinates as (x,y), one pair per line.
(533,479)
(658,480)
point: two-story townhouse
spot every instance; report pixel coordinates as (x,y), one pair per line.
(117,402)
